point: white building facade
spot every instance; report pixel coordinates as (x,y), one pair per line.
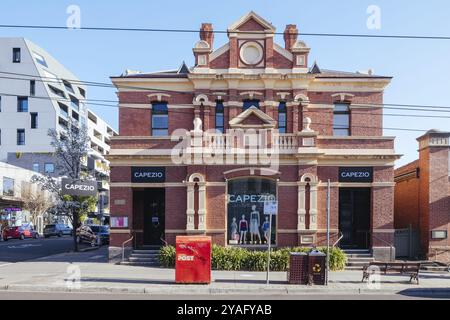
(37,93)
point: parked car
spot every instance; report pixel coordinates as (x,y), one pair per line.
(21,233)
(57,230)
(94,235)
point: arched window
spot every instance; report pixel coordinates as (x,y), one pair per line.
(219,116)
(160,119)
(282,117)
(251,103)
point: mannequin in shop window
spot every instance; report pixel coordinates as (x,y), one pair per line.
(255,223)
(234,231)
(243,228)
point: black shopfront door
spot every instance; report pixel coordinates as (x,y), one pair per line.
(354,217)
(150,208)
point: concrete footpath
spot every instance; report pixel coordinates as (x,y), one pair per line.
(89,272)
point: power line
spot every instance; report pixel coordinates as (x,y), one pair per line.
(314,123)
(109,85)
(185,31)
(65,100)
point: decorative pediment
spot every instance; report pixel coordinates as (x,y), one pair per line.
(253,118)
(252,22)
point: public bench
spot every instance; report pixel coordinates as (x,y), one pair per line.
(410,269)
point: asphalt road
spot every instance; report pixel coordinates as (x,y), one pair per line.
(105,296)
(23,250)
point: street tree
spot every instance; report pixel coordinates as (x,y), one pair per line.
(71,147)
(36,201)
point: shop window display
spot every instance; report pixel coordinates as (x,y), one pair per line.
(247,223)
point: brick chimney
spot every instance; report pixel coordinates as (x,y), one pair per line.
(207,34)
(290,36)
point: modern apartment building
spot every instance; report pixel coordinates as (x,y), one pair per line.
(37,94)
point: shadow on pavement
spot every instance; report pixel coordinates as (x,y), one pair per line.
(136,281)
(435,293)
(249,281)
(94,255)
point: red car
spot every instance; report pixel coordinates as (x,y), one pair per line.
(20,233)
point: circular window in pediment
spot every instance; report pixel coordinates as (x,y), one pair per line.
(251,53)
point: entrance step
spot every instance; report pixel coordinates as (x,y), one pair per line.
(139,264)
(434,266)
(143,257)
(146,251)
(357,259)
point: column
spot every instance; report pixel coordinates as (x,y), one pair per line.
(313,207)
(202,206)
(301,212)
(190,212)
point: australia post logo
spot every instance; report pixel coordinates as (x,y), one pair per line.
(185,258)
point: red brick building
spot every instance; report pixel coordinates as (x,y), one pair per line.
(422,195)
(202,150)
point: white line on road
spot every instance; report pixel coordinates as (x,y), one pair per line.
(96,257)
(4,265)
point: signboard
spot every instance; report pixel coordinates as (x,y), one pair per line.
(12,209)
(358,175)
(119,222)
(79,188)
(271,208)
(439,234)
(148,174)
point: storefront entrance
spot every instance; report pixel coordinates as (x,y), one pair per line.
(354,218)
(149,213)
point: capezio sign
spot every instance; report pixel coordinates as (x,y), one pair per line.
(79,188)
(356,175)
(148,174)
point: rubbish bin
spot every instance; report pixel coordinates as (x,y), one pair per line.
(193,260)
(298,268)
(317,267)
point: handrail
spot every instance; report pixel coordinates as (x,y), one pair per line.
(338,240)
(123,247)
(391,246)
(165,242)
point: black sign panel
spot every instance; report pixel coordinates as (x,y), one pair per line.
(148,174)
(362,175)
(79,188)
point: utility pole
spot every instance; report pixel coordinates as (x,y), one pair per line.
(328,228)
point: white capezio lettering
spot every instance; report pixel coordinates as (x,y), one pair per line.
(251,198)
(355,174)
(148,174)
(79,187)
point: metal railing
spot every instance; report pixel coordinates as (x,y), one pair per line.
(341,236)
(123,246)
(164,241)
(390,245)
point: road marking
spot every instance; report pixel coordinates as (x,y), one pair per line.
(25,246)
(95,257)
(4,265)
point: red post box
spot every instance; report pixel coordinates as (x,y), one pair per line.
(193,260)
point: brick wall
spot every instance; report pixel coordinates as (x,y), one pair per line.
(121,206)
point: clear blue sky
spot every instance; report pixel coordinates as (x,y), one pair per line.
(420,67)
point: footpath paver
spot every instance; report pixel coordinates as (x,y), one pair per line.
(89,272)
